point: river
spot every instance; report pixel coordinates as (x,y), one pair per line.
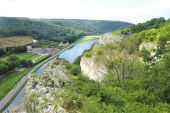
(70,55)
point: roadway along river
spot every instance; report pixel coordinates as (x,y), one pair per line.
(69,55)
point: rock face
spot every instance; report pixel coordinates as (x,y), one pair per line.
(92,69)
(108,38)
(44,90)
(150,46)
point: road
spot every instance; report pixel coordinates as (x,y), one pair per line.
(18,87)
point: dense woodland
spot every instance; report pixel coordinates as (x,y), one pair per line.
(58,30)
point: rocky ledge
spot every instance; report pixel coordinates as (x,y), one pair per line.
(43,90)
(92,69)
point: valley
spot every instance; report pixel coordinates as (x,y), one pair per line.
(114,76)
(125,70)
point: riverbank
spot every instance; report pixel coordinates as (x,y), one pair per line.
(90,37)
(10,79)
(14,92)
(18,87)
(51,81)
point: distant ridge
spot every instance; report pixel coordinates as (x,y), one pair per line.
(56,29)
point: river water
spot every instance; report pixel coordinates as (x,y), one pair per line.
(70,55)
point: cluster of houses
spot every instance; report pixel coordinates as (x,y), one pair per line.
(48,51)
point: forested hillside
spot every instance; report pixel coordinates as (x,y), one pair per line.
(55,29)
(135,79)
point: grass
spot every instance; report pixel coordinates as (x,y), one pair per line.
(28,56)
(8,81)
(15,41)
(85,38)
(40,58)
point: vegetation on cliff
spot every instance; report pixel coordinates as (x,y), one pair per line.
(135,82)
(131,84)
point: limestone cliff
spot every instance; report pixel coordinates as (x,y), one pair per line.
(108,38)
(94,66)
(43,92)
(93,69)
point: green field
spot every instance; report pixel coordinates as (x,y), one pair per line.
(9,80)
(28,56)
(85,38)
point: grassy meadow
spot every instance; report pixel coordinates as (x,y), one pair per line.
(90,37)
(8,81)
(28,56)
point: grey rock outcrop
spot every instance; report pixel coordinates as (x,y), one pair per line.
(45,89)
(92,69)
(108,38)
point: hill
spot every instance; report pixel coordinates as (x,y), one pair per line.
(135,75)
(115,76)
(56,29)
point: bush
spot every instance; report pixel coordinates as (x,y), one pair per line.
(87,54)
(109,96)
(75,69)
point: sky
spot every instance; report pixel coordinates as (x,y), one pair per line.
(134,11)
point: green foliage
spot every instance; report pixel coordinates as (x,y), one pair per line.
(158,79)
(145,55)
(153,23)
(14,61)
(56,30)
(8,81)
(109,97)
(30,101)
(12,50)
(13,58)
(75,70)
(73,103)
(91,105)
(87,53)
(130,86)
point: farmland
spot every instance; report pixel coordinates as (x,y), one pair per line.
(27,56)
(15,41)
(8,80)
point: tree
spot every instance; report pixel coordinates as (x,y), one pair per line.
(26,63)
(3,69)
(13,58)
(146,56)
